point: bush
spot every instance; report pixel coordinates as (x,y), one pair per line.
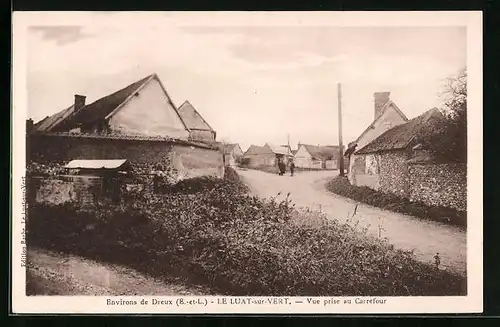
(239,245)
(341,186)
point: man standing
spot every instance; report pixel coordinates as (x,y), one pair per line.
(281,167)
(292,167)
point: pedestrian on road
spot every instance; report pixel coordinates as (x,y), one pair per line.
(281,167)
(292,168)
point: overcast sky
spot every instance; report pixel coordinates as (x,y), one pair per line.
(252,84)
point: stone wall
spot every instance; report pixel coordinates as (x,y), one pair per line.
(394,173)
(84,191)
(202,135)
(439,184)
(189,160)
(197,162)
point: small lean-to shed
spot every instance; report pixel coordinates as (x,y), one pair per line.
(103,176)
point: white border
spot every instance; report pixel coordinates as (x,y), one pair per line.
(472,303)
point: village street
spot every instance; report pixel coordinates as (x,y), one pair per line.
(307,189)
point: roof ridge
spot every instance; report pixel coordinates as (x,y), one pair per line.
(144,80)
(417,121)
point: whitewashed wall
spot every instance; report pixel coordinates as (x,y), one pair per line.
(149,113)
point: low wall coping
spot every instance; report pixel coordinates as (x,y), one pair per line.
(125,137)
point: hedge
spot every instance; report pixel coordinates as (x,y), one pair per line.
(237,244)
(340,185)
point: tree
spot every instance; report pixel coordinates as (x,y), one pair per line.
(448,141)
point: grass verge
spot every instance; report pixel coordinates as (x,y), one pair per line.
(341,186)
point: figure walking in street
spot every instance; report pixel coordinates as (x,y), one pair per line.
(281,166)
(292,167)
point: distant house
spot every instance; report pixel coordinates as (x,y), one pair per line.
(200,130)
(281,152)
(317,157)
(386,116)
(267,155)
(232,152)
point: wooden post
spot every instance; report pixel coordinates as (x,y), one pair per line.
(341,146)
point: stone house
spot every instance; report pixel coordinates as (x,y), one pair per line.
(386,115)
(139,124)
(232,152)
(317,157)
(398,163)
(199,129)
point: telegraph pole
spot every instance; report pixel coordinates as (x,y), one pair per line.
(288,147)
(341,146)
(288,143)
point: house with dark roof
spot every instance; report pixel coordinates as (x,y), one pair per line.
(401,161)
(386,116)
(393,155)
(317,157)
(141,108)
(387,157)
(199,128)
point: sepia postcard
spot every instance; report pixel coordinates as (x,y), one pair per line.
(247,162)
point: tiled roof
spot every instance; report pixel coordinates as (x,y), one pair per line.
(401,136)
(101,108)
(280,149)
(49,122)
(68,119)
(256,149)
(192,117)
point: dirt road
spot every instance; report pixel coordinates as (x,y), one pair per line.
(426,238)
(50,273)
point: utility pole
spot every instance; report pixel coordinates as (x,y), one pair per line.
(288,143)
(341,146)
(288,146)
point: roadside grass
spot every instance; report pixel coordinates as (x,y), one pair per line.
(341,186)
(237,244)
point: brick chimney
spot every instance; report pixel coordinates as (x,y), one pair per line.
(29,125)
(79,102)
(381,99)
